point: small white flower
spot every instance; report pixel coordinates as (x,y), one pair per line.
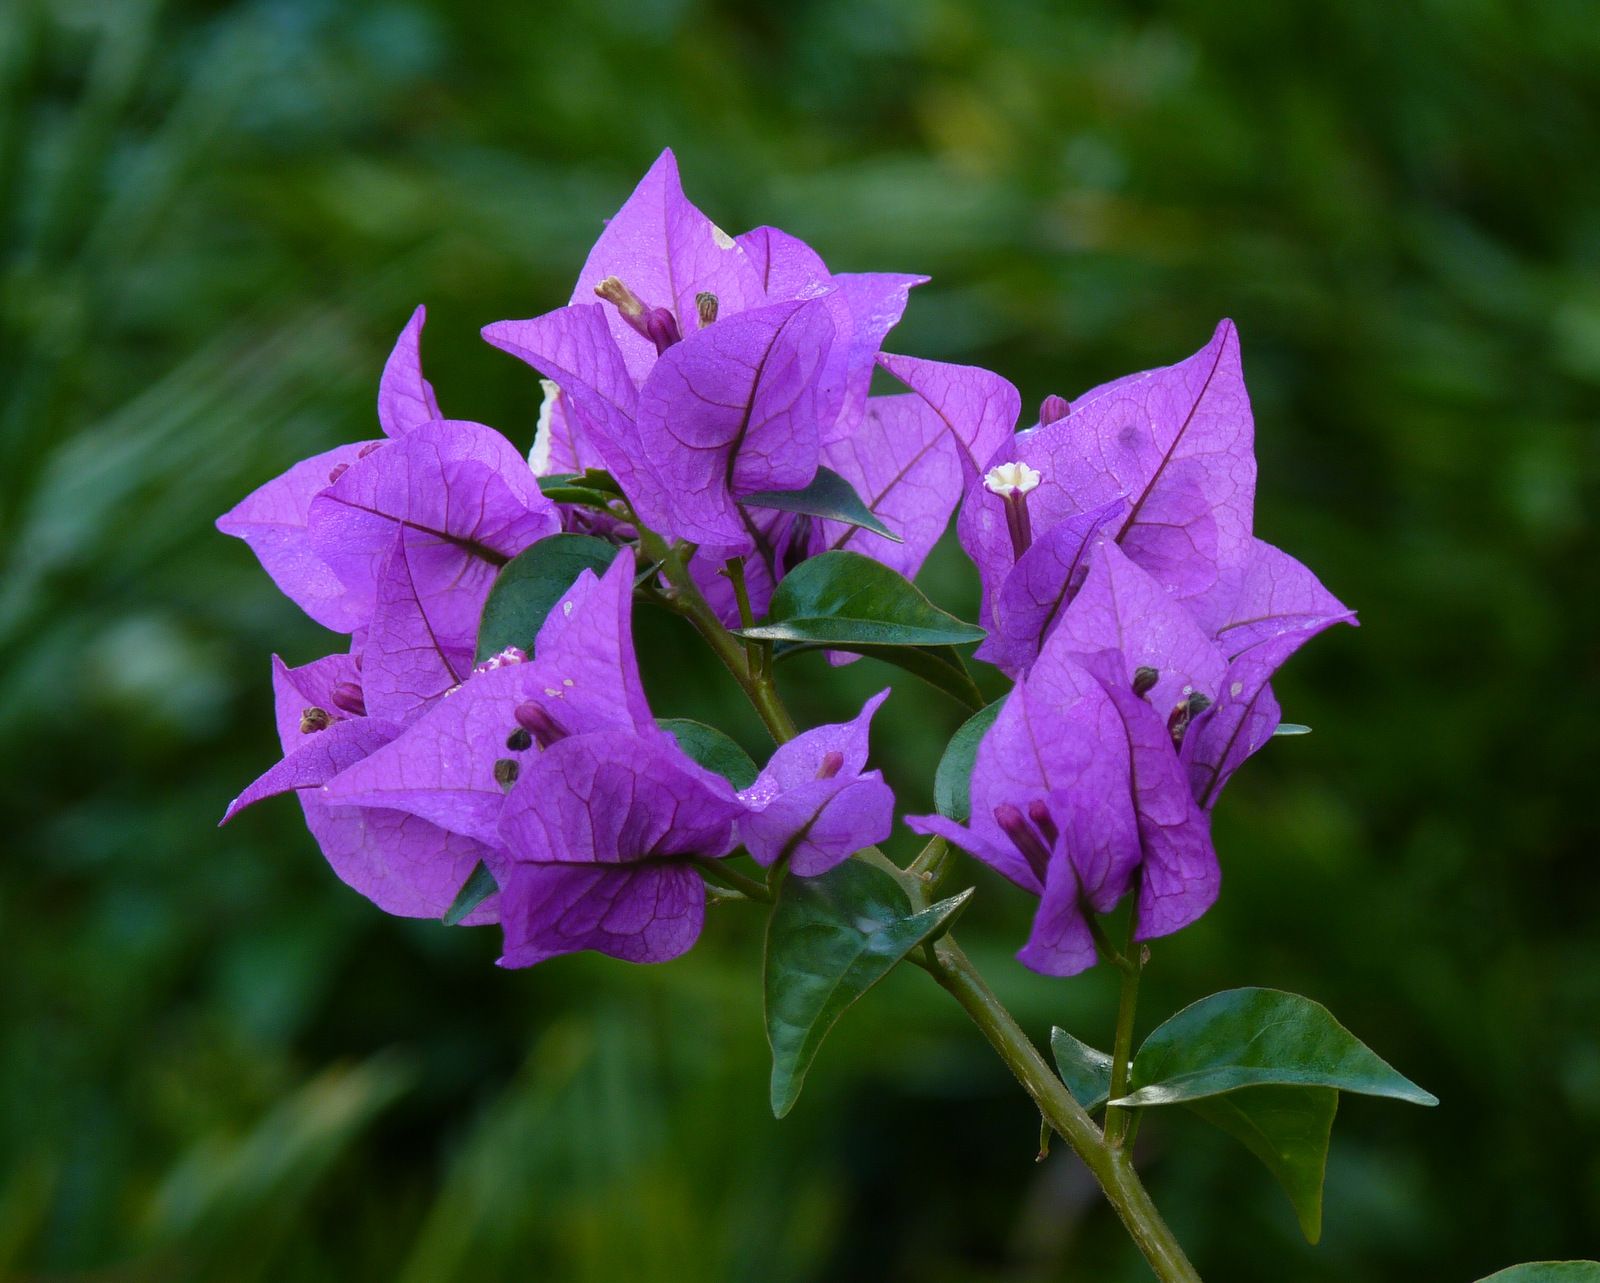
(1010,478)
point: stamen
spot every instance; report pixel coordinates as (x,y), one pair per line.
(506,772)
(347,698)
(519,741)
(314,719)
(705,304)
(1145,679)
(1053,409)
(338,470)
(370,448)
(832,763)
(544,729)
(1023,838)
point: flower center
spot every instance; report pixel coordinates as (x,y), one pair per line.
(1012,482)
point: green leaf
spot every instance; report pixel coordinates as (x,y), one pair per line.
(1549,1272)
(952,782)
(843,599)
(1291,728)
(531,583)
(1287,1128)
(1086,1072)
(1254,1037)
(712,749)
(592,489)
(478,887)
(828,496)
(829,940)
(940,666)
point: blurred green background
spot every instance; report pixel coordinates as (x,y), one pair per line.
(219,1064)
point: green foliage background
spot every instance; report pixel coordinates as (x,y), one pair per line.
(218,1064)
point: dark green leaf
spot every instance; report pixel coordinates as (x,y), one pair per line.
(841,599)
(1253,1037)
(828,496)
(952,782)
(940,666)
(712,749)
(1549,1272)
(1086,1072)
(829,940)
(1287,1128)
(531,583)
(1291,728)
(478,887)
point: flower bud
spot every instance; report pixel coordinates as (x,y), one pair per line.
(661,328)
(1184,712)
(1145,679)
(1039,813)
(372,447)
(505,772)
(1023,837)
(314,719)
(347,698)
(1053,409)
(705,305)
(832,762)
(519,741)
(622,298)
(544,729)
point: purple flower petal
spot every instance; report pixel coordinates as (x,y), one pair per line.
(584,678)
(978,407)
(405,398)
(1121,608)
(416,649)
(638,913)
(466,495)
(1245,715)
(729,411)
(785,265)
(1278,595)
(273,521)
(815,801)
(907,469)
(317,759)
(401,863)
(1037,588)
(667,252)
(613,797)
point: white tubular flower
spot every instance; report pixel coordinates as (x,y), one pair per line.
(1007,479)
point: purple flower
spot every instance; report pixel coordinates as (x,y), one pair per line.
(815,802)
(402,863)
(1101,769)
(595,815)
(717,367)
(325,530)
(1161,462)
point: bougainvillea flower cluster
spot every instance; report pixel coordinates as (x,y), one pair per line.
(711,381)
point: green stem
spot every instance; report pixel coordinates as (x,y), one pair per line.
(730,877)
(734,569)
(689,602)
(1117,1119)
(1111,1168)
